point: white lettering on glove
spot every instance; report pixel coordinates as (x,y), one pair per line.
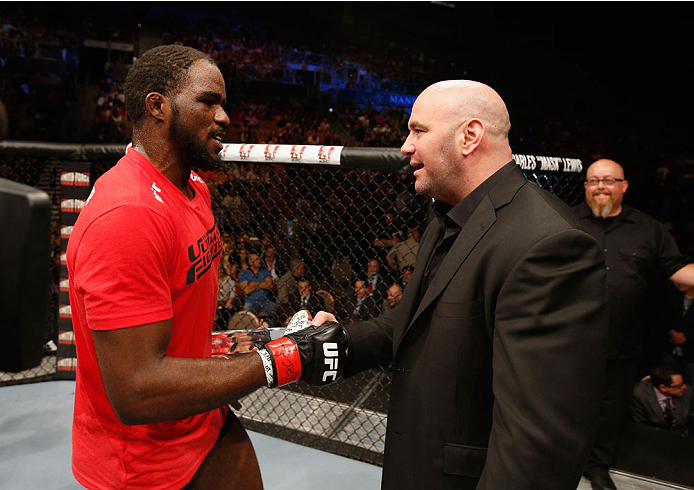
(330,353)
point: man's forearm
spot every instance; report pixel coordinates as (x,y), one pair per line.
(250,288)
(177,387)
(684,276)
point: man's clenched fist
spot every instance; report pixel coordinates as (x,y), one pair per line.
(315,354)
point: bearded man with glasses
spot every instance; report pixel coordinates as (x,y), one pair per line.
(637,249)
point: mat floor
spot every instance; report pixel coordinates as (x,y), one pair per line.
(35,421)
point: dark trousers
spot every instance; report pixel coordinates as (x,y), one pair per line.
(620,376)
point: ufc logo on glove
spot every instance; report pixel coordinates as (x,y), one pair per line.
(331,359)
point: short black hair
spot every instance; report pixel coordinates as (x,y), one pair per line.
(661,374)
(160,69)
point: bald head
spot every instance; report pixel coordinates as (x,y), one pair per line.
(458,138)
(394,295)
(467,99)
(605,166)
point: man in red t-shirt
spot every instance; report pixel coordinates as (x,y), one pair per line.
(151,404)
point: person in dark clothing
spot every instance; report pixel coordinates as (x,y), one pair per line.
(664,400)
(360,305)
(304,298)
(498,344)
(679,336)
(637,250)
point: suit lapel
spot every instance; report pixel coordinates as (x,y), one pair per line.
(475,228)
(680,409)
(411,296)
(477,225)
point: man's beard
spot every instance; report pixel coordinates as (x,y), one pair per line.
(601,210)
(198,155)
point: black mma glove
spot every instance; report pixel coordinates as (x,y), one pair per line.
(315,354)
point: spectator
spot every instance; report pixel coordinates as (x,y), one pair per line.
(304,298)
(390,234)
(271,262)
(394,295)
(680,336)
(404,254)
(256,284)
(663,400)
(242,257)
(375,283)
(227,301)
(228,247)
(287,284)
(358,306)
(406,276)
(637,248)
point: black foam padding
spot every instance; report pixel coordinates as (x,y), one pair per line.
(389,159)
(63,151)
(25,263)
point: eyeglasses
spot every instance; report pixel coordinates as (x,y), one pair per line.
(606,181)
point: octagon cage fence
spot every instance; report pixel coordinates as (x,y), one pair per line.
(331,209)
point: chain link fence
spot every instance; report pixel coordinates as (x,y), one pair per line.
(321,229)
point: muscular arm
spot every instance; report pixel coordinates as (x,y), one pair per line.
(549,349)
(144,385)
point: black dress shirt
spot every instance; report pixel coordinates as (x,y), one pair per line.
(451,220)
(638,251)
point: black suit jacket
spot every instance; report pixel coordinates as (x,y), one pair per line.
(497,366)
(676,321)
(315,303)
(381,290)
(645,408)
(347,311)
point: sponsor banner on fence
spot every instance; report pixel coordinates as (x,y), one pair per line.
(75,188)
(543,163)
(271,153)
(66,366)
(74,179)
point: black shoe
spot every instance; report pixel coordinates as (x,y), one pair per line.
(600,479)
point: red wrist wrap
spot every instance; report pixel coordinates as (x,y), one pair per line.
(285,355)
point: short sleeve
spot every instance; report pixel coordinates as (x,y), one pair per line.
(668,255)
(121,269)
(245,276)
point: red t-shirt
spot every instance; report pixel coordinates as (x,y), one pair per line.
(141,252)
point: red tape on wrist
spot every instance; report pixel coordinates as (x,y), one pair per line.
(287,360)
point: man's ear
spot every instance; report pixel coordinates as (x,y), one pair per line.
(471,134)
(625,185)
(158,106)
